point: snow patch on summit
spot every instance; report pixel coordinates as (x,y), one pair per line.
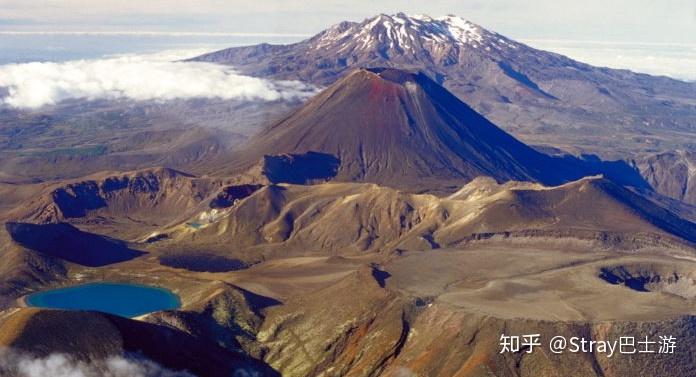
(410,33)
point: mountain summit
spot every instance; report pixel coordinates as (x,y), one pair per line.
(394,127)
(541,97)
(399,40)
(437,39)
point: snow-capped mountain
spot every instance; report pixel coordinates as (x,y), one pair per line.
(541,97)
(407,41)
(402,34)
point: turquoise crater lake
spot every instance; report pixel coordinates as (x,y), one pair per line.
(125,300)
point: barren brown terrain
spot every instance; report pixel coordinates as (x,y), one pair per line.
(410,253)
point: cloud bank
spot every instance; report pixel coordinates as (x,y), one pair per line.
(136,77)
(674,60)
(16,364)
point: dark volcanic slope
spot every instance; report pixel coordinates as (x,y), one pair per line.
(672,174)
(398,128)
(542,97)
(94,337)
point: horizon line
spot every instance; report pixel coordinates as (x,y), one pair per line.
(150,33)
(605,42)
(295,35)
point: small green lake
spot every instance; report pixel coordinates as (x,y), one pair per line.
(125,300)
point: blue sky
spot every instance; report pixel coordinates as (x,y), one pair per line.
(665,21)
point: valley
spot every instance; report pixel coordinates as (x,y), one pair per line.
(486,257)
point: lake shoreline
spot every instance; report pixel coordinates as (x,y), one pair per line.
(130,300)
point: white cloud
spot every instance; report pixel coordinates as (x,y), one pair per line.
(18,364)
(136,77)
(669,59)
